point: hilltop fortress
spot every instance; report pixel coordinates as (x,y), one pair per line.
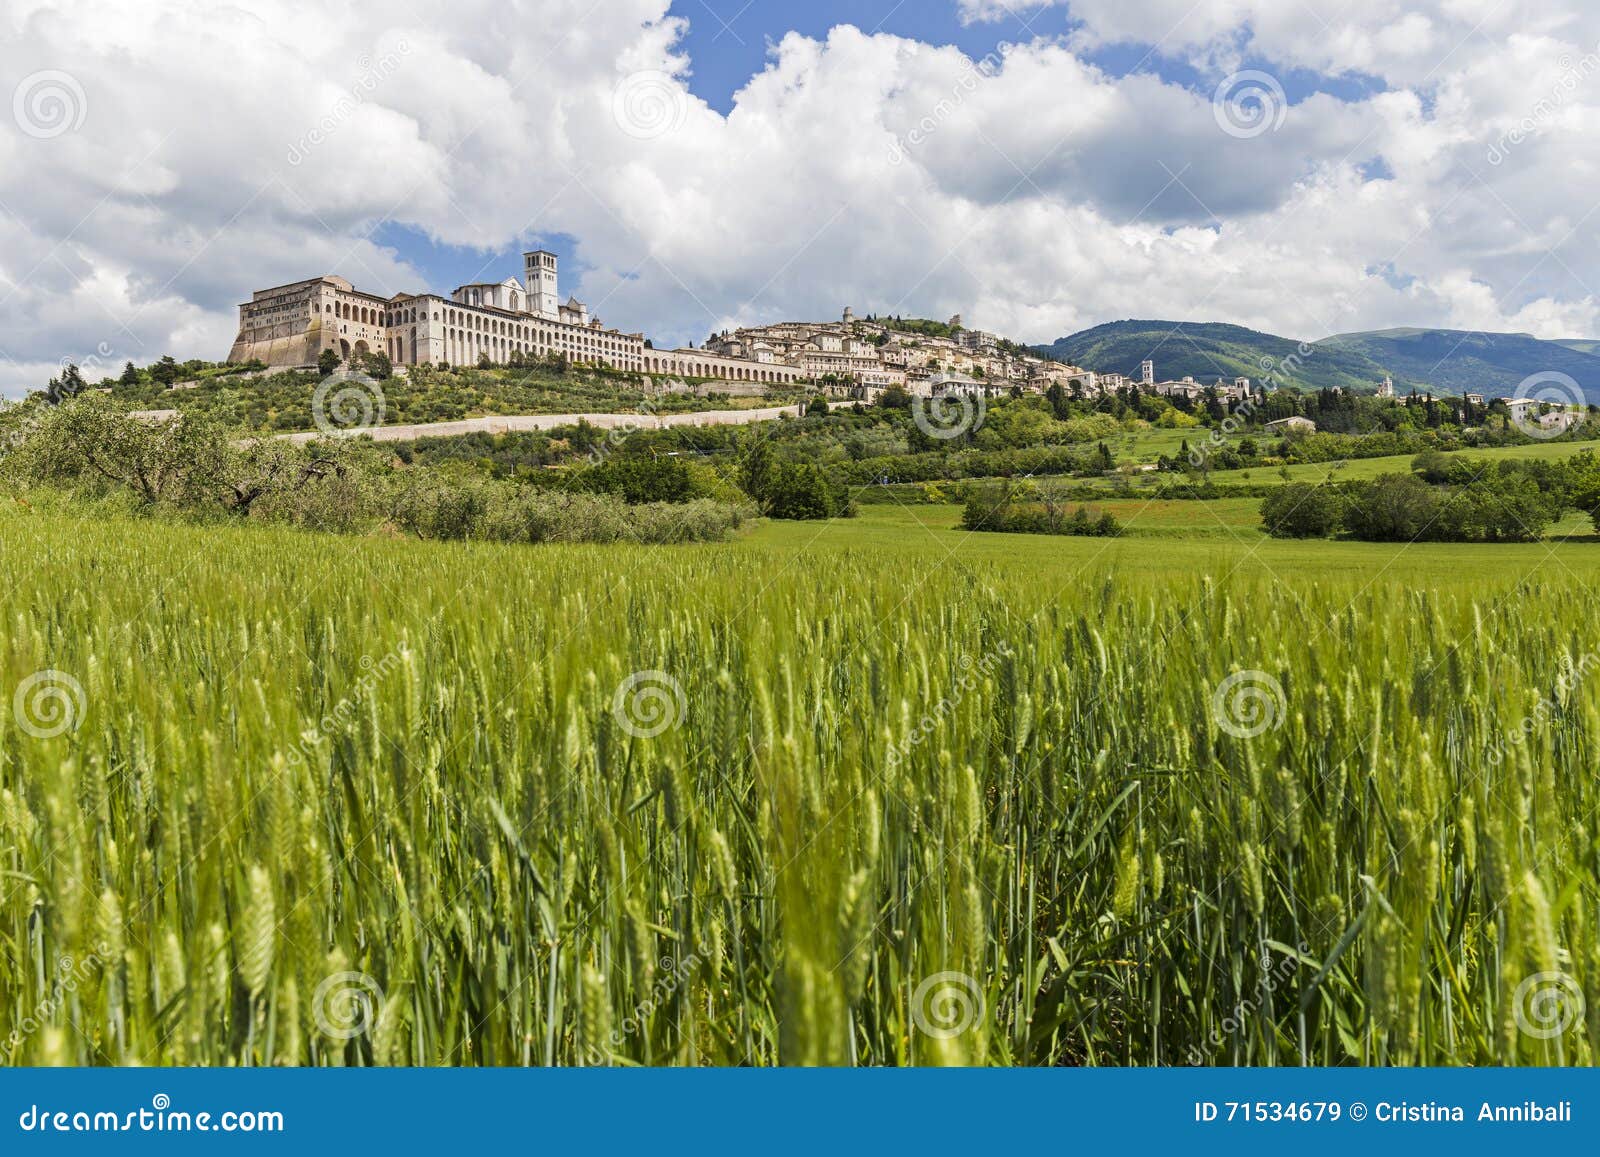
(290,326)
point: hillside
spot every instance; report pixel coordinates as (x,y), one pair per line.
(1462,361)
(1441,360)
(1207,351)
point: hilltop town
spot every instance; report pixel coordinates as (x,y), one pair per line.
(495,323)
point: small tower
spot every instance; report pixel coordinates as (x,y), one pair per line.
(955,322)
(541,279)
(849,316)
(1386,390)
(1147,373)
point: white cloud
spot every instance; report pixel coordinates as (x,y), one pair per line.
(221,150)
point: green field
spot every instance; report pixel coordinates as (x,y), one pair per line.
(1358,469)
(869,792)
(1178,539)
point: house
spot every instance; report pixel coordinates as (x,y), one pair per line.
(1475,399)
(1294,425)
(953,383)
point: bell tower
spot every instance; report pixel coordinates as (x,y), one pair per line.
(543,299)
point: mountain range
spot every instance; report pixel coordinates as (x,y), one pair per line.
(1442,361)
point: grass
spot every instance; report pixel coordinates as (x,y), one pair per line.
(1224,542)
(873,792)
(1361,469)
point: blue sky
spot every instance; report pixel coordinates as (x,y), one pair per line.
(728,40)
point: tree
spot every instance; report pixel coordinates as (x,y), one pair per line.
(895,398)
(377,366)
(817,406)
(800,490)
(756,468)
(177,459)
(641,479)
(1057,397)
(1301,510)
(165,371)
(1393,508)
(327,362)
(69,385)
(1583,484)
(130,375)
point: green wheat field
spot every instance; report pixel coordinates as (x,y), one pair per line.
(868,794)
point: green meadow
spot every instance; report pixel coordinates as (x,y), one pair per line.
(871,792)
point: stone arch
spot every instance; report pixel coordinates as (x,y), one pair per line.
(344,350)
(361,347)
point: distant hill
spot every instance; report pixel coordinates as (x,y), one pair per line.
(1441,360)
(1206,351)
(1464,361)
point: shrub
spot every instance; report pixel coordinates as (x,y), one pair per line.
(1393,508)
(1302,510)
(640,480)
(800,490)
(1040,511)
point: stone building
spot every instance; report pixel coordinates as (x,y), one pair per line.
(291,325)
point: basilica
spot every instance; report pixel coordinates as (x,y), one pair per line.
(291,325)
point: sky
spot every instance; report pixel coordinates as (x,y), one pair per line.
(1305,168)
